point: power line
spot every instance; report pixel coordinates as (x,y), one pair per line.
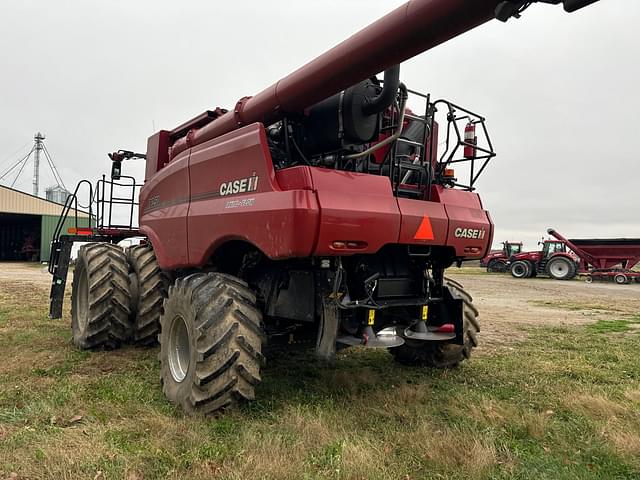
(21,168)
(23,159)
(8,157)
(56,175)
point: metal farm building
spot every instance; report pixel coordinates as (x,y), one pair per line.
(27,224)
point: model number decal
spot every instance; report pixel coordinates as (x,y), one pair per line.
(245,202)
(478,233)
(242,185)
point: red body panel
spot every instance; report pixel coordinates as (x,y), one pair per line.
(164,205)
(355,208)
(227,189)
(283,224)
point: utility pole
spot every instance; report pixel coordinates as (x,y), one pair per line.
(38,147)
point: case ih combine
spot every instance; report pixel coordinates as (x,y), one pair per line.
(600,259)
(319,210)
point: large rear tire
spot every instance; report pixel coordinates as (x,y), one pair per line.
(520,269)
(561,268)
(210,343)
(100,297)
(152,284)
(443,354)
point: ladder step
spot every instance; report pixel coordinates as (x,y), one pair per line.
(415,118)
(410,142)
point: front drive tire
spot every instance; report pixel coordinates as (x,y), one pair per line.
(210,343)
(443,354)
(100,297)
(520,269)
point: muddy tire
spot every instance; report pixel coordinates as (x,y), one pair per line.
(496,266)
(520,269)
(100,297)
(561,268)
(443,354)
(151,285)
(210,343)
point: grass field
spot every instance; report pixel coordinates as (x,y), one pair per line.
(563,403)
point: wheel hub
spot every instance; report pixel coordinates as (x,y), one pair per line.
(179,353)
(558,269)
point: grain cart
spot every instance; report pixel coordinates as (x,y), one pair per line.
(605,259)
(317,211)
(498,260)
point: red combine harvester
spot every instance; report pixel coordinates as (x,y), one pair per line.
(605,259)
(317,211)
(498,260)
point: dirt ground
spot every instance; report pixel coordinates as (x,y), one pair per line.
(506,304)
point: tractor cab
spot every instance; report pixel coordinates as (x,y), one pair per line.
(551,247)
(511,248)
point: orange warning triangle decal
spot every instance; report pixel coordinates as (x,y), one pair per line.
(425,232)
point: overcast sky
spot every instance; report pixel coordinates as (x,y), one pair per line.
(560,91)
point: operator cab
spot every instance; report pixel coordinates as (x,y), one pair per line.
(551,247)
(512,248)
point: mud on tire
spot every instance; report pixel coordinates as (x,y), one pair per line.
(152,285)
(100,297)
(210,343)
(443,354)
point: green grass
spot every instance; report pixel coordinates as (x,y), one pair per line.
(612,326)
(565,403)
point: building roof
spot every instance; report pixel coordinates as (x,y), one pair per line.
(15,201)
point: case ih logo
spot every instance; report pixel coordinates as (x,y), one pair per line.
(243,185)
(478,233)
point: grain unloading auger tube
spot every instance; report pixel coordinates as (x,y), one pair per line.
(411,29)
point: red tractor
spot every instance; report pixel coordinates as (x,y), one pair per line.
(498,260)
(318,211)
(554,260)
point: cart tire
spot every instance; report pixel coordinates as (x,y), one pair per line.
(496,266)
(443,354)
(210,343)
(621,279)
(589,279)
(520,269)
(152,284)
(100,298)
(561,268)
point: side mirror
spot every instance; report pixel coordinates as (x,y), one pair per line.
(573,5)
(116,169)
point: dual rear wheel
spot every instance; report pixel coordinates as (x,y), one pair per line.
(208,325)
(116,296)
